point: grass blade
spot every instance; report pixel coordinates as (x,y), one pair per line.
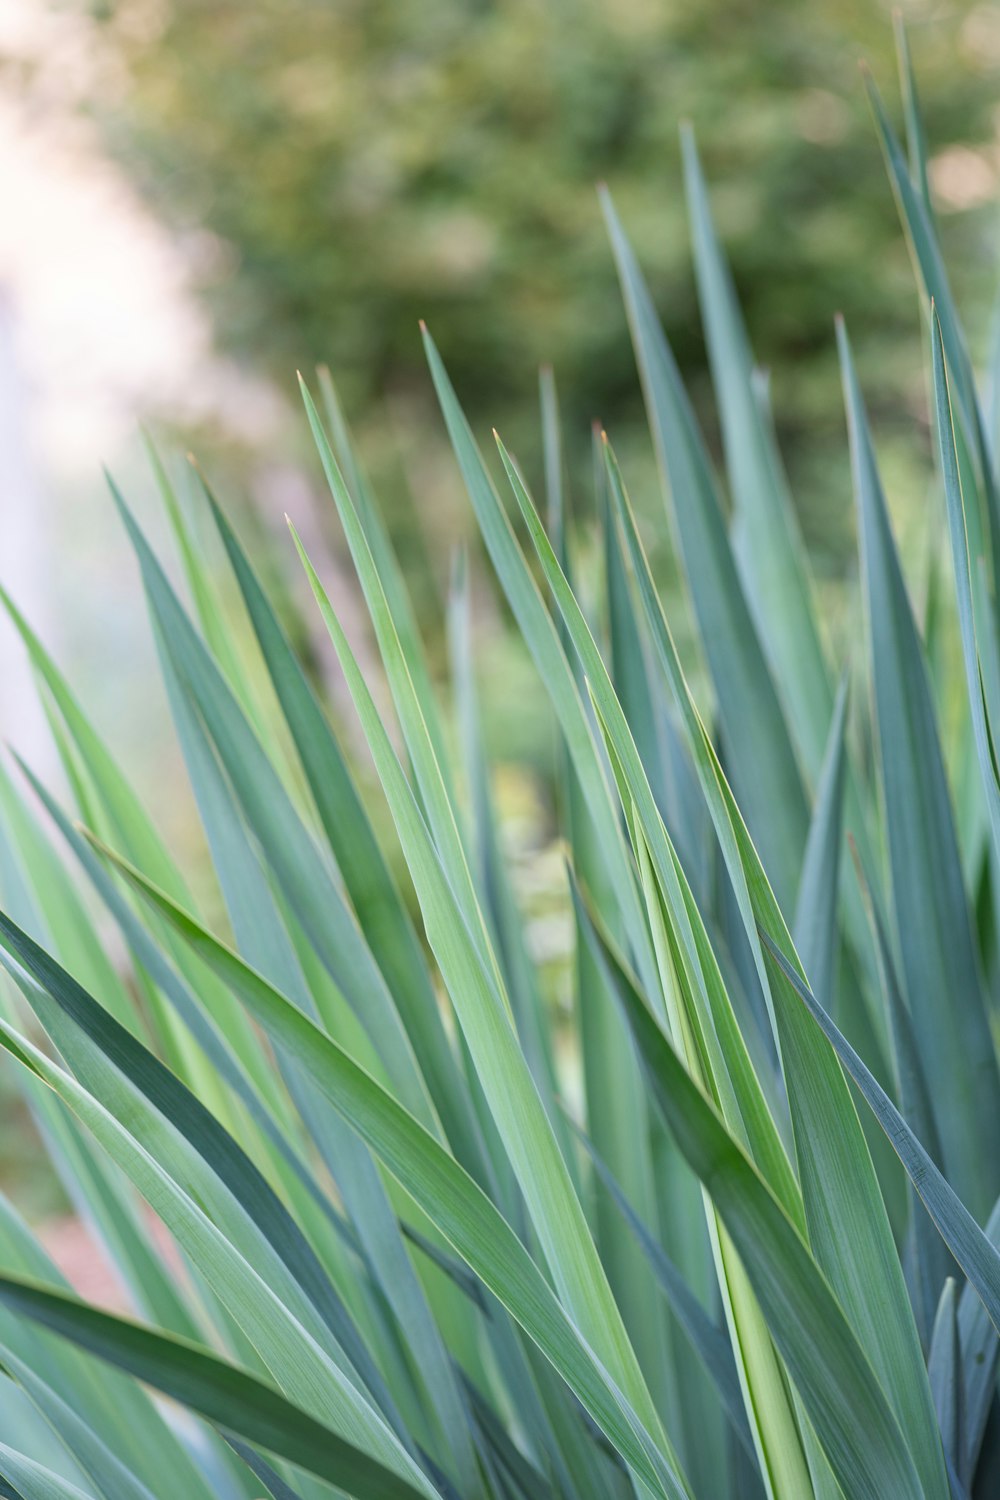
(815,930)
(828,1366)
(839,1185)
(930,905)
(230,1398)
(750,716)
(766,537)
(369,883)
(972,1250)
(435,1181)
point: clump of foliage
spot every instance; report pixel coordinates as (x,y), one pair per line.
(393,1259)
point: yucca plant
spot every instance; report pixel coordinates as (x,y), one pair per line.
(377,1233)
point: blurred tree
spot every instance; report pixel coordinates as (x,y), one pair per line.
(363,163)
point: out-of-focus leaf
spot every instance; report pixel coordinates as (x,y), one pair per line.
(766,776)
(980,1352)
(940,967)
(815,929)
(766,539)
(944,1369)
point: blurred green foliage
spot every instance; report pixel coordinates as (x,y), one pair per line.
(360,164)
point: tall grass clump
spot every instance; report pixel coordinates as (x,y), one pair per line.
(377,1234)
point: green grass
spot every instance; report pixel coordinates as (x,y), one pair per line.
(762,1260)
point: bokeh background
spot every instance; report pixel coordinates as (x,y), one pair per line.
(202,196)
